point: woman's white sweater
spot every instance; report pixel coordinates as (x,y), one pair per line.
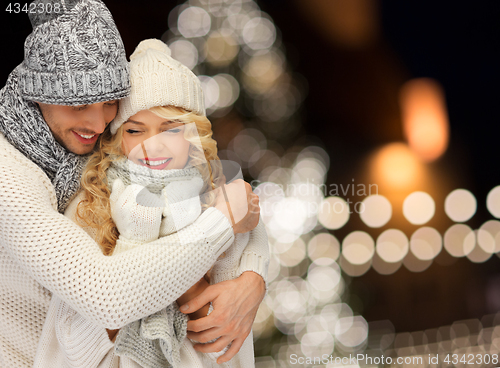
(70,341)
(43,252)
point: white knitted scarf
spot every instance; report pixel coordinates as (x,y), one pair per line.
(154,180)
(153,341)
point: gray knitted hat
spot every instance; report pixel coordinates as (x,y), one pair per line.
(74,56)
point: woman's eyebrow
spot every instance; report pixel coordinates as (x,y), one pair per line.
(134,122)
(173,121)
(166,122)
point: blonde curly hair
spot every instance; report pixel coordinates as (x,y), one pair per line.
(95,210)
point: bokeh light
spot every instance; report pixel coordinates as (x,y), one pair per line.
(459,240)
(185,52)
(333,213)
(194,22)
(376,211)
(323,248)
(426,243)
(493,201)
(392,246)
(418,208)
(396,166)
(488,236)
(425,117)
(358,247)
(460,205)
(259,33)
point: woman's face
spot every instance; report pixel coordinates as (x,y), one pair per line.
(155,142)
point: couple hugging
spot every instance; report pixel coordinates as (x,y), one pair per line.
(120,244)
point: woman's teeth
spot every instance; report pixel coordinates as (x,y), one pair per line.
(86,136)
(154,163)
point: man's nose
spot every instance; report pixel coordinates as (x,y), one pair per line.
(96,118)
(155,144)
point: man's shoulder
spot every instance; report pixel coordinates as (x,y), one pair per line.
(12,162)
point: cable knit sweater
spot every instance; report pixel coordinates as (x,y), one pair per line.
(70,341)
(44,253)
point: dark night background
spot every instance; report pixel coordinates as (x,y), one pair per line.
(352,106)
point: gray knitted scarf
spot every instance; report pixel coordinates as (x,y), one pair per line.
(23,126)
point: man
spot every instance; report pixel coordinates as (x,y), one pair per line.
(52,110)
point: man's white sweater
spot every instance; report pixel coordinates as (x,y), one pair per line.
(42,252)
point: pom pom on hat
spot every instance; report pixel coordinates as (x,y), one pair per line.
(150,44)
(158,80)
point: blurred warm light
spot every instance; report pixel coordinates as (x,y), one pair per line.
(210,90)
(323,248)
(351,23)
(310,169)
(418,208)
(460,205)
(194,22)
(493,201)
(290,254)
(221,48)
(262,71)
(185,52)
(459,240)
(290,216)
(425,117)
(323,278)
(392,246)
(316,153)
(259,33)
(396,166)
(426,243)
(351,331)
(383,267)
(236,22)
(478,254)
(376,211)
(354,270)
(333,213)
(414,264)
(358,247)
(247,143)
(488,237)
(229,90)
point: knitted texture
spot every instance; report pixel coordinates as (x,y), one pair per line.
(154,180)
(43,252)
(154,341)
(133,340)
(159,80)
(74,56)
(23,125)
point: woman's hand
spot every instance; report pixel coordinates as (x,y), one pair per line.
(136,212)
(235,305)
(239,204)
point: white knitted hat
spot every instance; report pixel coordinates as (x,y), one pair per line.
(158,80)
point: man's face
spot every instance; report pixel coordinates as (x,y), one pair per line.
(78,127)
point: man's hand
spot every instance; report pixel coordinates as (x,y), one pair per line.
(239,204)
(235,305)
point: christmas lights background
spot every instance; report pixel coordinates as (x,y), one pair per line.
(368,130)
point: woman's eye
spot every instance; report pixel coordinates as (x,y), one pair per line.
(173,131)
(80,108)
(132,131)
(112,103)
